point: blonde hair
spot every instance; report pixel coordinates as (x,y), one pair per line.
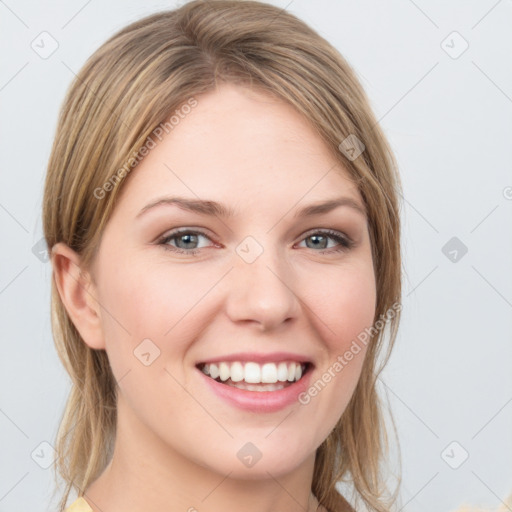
(130,86)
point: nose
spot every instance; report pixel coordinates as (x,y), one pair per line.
(262,292)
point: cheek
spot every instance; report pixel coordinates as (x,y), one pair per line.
(147,310)
(344,307)
(149,299)
(344,303)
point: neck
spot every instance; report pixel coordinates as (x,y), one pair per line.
(148,475)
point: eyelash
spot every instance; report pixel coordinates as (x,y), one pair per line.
(345,242)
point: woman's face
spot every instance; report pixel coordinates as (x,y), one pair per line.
(265,284)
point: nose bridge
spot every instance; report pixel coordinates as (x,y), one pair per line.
(260,287)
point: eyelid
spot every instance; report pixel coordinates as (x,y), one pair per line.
(186,229)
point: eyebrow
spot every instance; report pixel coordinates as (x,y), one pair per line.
(208,207)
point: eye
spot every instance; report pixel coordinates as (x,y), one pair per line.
(186,241)
(319,240)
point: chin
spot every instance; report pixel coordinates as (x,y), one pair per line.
(250,463)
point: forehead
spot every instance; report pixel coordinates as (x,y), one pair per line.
(242,147)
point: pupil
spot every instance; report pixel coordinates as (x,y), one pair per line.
(317,237)
(188,239)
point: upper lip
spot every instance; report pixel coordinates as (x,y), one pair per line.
(274,357)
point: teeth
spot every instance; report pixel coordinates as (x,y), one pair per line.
(257,387)
(269,373)
(214,371)
(282,372)
(224,371)
(237,372)
(291,372)
(252,373)
(255,373)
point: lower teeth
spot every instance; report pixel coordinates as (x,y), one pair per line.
(257,387)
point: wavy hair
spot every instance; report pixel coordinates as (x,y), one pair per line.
(127,88)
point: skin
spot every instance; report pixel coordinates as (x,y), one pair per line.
(177,441)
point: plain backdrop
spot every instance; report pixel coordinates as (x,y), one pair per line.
(439,77)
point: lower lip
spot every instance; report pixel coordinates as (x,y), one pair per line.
(260,401)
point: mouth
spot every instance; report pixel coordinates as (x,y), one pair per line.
(253,376)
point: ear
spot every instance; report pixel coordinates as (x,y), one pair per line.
(78,294)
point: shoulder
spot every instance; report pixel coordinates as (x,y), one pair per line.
(79,505)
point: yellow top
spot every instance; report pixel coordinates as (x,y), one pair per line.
(80,505)
(504,507)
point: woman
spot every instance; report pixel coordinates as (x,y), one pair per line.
(222,213)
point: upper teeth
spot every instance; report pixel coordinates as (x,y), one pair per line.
(255,373)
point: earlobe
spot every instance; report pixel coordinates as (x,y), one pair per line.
(78,294)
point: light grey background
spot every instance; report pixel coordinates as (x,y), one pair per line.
(449,121)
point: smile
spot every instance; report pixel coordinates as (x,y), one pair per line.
(256,381)
(253,376)
(250,375)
